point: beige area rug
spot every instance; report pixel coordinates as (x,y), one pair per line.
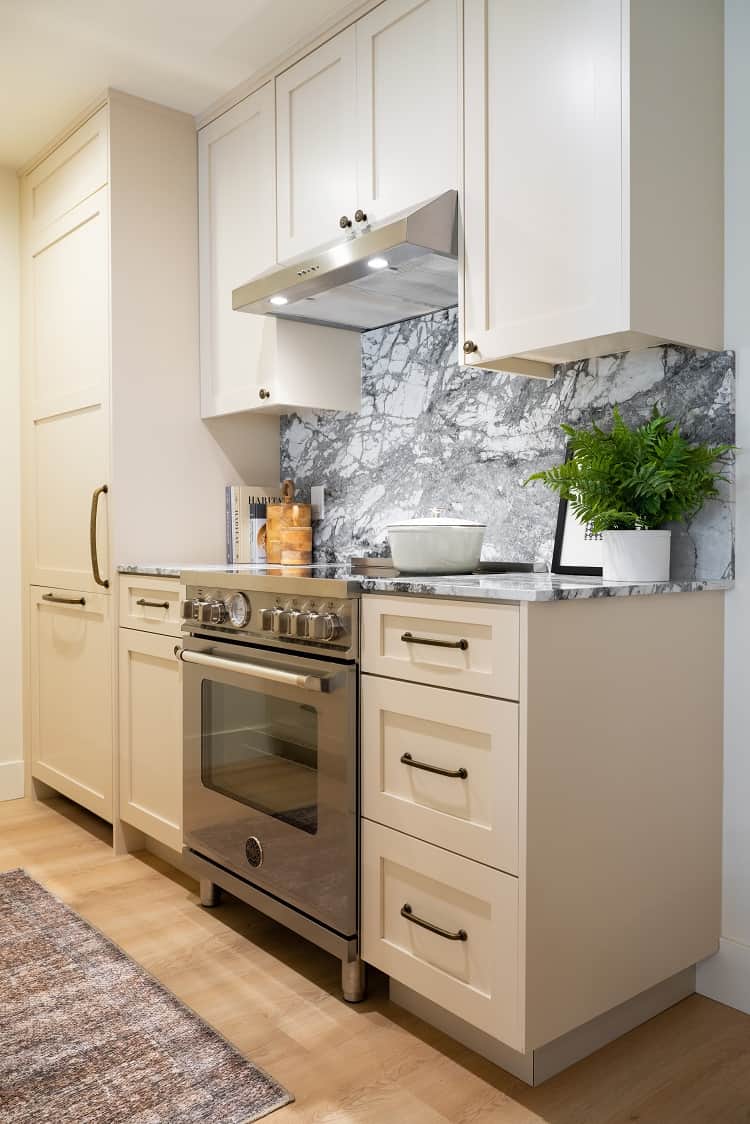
(88,1037)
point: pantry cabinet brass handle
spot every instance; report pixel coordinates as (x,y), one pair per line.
(63,600)
(407,759)
(102,491)
(406,912)
(345,222)
(470,347)
(408,638)
(152,604)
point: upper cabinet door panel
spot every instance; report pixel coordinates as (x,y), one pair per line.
(236,155)
(407,104)
(316,146)
(70,311)
(69,175)
(543,171)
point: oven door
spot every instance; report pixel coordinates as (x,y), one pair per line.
(270,773)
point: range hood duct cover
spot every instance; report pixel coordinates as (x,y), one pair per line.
(337,287)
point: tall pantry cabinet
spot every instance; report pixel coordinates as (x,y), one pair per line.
(114,453)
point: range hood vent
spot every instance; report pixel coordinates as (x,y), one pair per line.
(406,268)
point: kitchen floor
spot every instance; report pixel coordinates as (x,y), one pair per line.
(275,997)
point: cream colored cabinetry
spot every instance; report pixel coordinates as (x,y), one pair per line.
(71,694)
(150,703)
(110,370)
(367,123)
(67,358)
(251,362)
(586,227)
(529,865)
(407,105)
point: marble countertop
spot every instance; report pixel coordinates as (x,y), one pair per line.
(479,587)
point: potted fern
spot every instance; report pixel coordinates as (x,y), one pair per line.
(625,484)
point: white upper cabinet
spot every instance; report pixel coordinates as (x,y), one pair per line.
(407,104)
(590,226)
(316,146)
(237,219)
(367,124)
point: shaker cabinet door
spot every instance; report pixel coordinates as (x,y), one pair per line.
(316,147)
(407,104)
(237,218)
(543,174)
(71,695)
(151,735)
(66,376)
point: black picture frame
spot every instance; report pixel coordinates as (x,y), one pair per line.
(558,567)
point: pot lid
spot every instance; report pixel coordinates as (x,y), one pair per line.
(432,521)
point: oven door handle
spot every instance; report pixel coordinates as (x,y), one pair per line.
(256,670)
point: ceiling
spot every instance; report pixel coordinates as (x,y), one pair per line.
(56,56)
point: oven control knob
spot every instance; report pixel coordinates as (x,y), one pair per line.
(266,619)
(211,612)
(333,626)
(280,622)
(316,629)
(297,623)
(188,610)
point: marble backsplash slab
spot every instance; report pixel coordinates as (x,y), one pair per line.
(433,434)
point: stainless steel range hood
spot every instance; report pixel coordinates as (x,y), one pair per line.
(405,268)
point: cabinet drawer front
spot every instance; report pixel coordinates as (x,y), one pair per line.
(477,977)
(477,647)
(151,604)
(475,813)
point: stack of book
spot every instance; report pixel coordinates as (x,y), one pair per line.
(246,521)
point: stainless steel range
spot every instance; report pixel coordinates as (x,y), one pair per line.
(270,750)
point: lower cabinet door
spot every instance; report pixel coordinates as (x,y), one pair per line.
(444,926)
(151,735)
(71,695)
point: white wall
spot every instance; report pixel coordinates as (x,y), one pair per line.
(726,976)
(11,752)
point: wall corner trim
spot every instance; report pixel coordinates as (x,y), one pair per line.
(725,977)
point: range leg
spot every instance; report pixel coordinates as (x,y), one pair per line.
(353,980)
(210,893)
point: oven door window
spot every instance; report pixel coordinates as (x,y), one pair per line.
(262,751)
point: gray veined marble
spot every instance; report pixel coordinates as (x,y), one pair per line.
(433,434)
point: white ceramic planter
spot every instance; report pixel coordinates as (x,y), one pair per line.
(436,546)
(636,556)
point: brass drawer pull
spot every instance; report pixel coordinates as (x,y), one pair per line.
(406,912)
(408,638)
(152,604)
(102,491)
(63,600)
(407,759)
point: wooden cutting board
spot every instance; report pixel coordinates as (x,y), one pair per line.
(289,530)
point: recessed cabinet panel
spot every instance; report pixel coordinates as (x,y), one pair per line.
(542,203)
(72,173)
(237,241)
(69,302)
(151,735)
(316,146)
(442,766)
(464,954)
(71,695)
(407,104)
(69,462)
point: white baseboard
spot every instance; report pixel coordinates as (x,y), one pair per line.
(725,977)
(12,780)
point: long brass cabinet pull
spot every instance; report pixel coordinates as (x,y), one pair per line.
(92,536)
(408,638)
(407,759)
(63,600)
(152,604)
(406,911)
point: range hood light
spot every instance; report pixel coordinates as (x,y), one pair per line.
(278,299)
(378,263)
